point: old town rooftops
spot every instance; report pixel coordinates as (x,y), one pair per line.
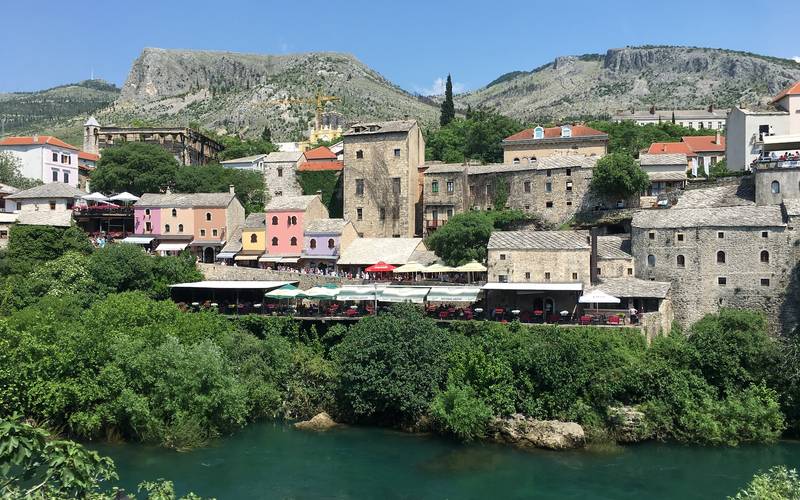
(553,133)
(741,216)
(387,127)
(539,240)
(257,220)
(547,163)
(647,159)
(283,157)
(50,190)
(326,226)
(36,140)
(244,159)
(185,200)
(290,202)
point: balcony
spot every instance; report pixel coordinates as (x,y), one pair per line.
(433,224)
(103,211)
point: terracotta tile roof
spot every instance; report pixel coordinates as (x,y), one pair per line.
(555,133)
(792,90)
(669,148)
(320,153)
(83,155)
(29,141)
(314,166)
(704,143)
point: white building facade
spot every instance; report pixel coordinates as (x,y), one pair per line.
(44,158)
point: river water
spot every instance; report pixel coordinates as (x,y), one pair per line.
(272,460)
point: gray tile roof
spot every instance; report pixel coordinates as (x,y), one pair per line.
(730,195)
(244,159)
(58,218)
(646,159)
(327,226)
(539,240)
(290,202)
(444,168)
(283,156)
(257,220)
(6,189)
(367,128)
(614,247)
(667,176)
(234,243)
(792,206)
(633,287)
(50,190)
(743,216)
(368,251)
(185,200)
(549,163)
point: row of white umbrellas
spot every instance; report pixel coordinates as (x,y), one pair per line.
(98,196)
(415,267)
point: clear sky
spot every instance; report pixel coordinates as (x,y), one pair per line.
(412,43)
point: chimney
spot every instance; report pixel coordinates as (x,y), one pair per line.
(717,138)
(35,138)
(319,193)
(232,188)
(710,108)
(652,109)
(168,191)
(593,257)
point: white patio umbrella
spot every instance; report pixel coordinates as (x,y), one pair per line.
(411,267)
(439,268)
(96,196)
(126,197)
(470,267)
(598,297)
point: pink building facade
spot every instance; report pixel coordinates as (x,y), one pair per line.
(286,218)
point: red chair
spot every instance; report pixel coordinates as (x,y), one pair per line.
(613,320)
(585,320)
(351,313)
(443,314)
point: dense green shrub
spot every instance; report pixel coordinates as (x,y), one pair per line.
(31,246)
(778,483)
(459,411)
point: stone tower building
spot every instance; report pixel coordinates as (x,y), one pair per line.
(381,179)
(91,133)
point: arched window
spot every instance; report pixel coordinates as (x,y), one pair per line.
(681,261)
(254,238)
(274,220)
(312,243)
(166,228)
(208,215)
(293,241)
(274,241)
(764,256)
(651,260)
(331,243)
(180,228)
(776,187)
(294,220)
(538,133)
(515,161)
(147,211)
(174,212)
(720,257)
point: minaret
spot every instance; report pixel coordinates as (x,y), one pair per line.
(91,130)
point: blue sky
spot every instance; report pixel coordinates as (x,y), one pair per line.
(412,43)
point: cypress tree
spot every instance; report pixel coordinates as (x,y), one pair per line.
(448,108)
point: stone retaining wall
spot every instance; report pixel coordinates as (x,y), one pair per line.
(216,272)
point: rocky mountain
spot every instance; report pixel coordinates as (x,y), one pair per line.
(241,93)
(635,77)
(27,112)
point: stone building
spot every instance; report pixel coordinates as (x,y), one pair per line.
(735,256)
(539,142)
(280,173)
(710,118)
(189,146)
(380,183)
(667,173)
(556,188)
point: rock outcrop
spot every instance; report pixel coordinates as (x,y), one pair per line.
(524,432)
(628,424)
(319,422)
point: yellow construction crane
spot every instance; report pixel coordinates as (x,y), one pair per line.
(319,100)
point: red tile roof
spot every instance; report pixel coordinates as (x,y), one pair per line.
(667,148)
(792,90)
(42,139)
(555,132)
(313,166)
(704,143)
(320,153)
(83,155)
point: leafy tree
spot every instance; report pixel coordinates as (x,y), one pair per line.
(458,411)
(266,134)
(32,246)
(478,137)
(628,137)
(11,172)
(135,167)
(448,109)
(327,181)
(778,483)
(618,176)
(238,148)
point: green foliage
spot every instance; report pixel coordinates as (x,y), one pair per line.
(458,411)
(477,137)
(32,246)
(448,108)
(618,176)
(778,483)
(11,172)
(238,148)
(327,181)
(628,137)
(214,178)
(135,167)
(391,366)
(501,191)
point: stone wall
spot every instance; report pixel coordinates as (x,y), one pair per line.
(445,200)
(788,185)
(547,148)
(216,272)
(615,268)
(563,266)
(280,179)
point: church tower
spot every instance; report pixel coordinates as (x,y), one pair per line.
(91,131)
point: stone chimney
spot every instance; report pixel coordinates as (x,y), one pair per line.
(718,138)
(593,257)
(710,108)
(232,188)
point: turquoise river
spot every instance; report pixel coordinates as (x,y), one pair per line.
(271,460)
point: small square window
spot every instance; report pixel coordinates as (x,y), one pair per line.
(359,154)
(502,256)
(202,232)
(527,207)
(630,271)
(502,278)
(722,281)
(764,281)
(549,204)
(52,205)
(359,214)
(569,203)
(679,236)
(765,234)
(549,173)
(397,152)
(527,276)
(720,235)
(548,187)
(569,185)
(569,172)
(214,232)
(574,276)
(651,235)
(546,276)
(280,172)
(599,271)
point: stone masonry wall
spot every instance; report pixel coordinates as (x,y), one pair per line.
(216,272)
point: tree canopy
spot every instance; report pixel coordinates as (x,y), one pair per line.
(214,178)
(135,167)
(11,172)
(477,137)
(628,137)
(618,176)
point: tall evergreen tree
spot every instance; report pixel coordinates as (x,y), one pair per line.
(448,108)
(266,134)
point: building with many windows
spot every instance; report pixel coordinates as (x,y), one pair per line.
(44,158)
(710,118)
(535,143)
(286,220)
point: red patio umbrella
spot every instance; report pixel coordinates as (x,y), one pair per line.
(380,267)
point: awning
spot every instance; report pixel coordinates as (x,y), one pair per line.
(781,142)
(171,247)
(246,257)
(439,268)
(472,267)
(234,285)
(138,240)
(326,292)
(535,287)
(285,292)
(289,260)
(357,293)
(318,257)
(453,294)
(207,243)
(404,294)
(411,267)
(226,255)
(266,258)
